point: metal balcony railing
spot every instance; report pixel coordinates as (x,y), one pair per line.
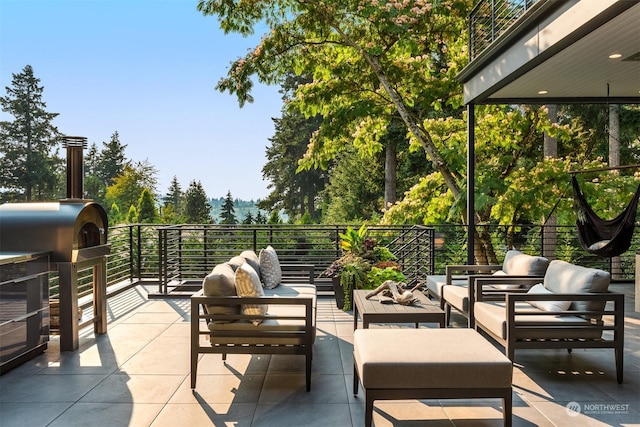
(189,252)
(489,19)
(168,255)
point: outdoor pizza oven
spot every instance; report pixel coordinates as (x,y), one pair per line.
(73,231)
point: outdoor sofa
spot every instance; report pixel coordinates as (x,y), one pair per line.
(254,305)
(570,308)
(456,288)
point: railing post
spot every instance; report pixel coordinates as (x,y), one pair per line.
(131,253)
(161,254)
(139,258)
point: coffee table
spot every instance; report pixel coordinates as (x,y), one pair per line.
(373,311)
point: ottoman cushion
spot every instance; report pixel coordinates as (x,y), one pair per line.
(429,358)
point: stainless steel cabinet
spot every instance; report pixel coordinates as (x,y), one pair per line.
(24,307)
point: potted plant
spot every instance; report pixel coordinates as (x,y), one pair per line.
(363,265)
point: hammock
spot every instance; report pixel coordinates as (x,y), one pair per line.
(605,238)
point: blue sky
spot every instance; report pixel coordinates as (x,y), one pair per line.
(146,69)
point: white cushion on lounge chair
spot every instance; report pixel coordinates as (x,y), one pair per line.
(435,283)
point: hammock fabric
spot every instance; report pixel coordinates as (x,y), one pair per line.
(605,238)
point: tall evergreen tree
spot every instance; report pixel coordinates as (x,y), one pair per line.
(196,205)
(174,196)
(227,213)
(112,160)
(292,190)
(94,187)
(29,161)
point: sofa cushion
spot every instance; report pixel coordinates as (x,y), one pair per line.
(493,318)
(457,296)
(436,282)
(252,259)
(565,278)
(248,285)
(220,283)
(547,305)
(517,263)
(270,270)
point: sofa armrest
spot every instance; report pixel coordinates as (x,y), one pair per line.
(298,273)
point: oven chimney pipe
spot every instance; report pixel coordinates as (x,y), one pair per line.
(75,165)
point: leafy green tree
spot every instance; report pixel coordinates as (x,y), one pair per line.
(227,213)
(196,205)
(371,62)
(147,212)
(29,161)
(128,186)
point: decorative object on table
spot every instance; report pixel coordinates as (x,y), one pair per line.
(397,293)
(363,265)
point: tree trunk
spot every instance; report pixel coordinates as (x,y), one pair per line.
(390,174)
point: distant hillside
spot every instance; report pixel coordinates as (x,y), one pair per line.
(241,209)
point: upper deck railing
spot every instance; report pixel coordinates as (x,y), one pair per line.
(489,19)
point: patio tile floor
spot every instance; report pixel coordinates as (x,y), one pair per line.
(138,375)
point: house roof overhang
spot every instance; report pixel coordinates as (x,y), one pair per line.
(558,52)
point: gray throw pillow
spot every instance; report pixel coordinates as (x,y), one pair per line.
(270,270)
(220,283)
(517,263)
(565,278)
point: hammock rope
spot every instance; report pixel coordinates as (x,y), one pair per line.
(605,238)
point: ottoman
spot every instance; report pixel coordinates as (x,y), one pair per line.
(397,364)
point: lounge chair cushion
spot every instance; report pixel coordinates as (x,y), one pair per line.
(248,285)
(270,270)
(457,296)
(436,282)
(220,283)
(547,305)
(565,278)
(492,316)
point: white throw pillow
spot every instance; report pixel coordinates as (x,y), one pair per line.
(270,270)
(547,305)
(248,285)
